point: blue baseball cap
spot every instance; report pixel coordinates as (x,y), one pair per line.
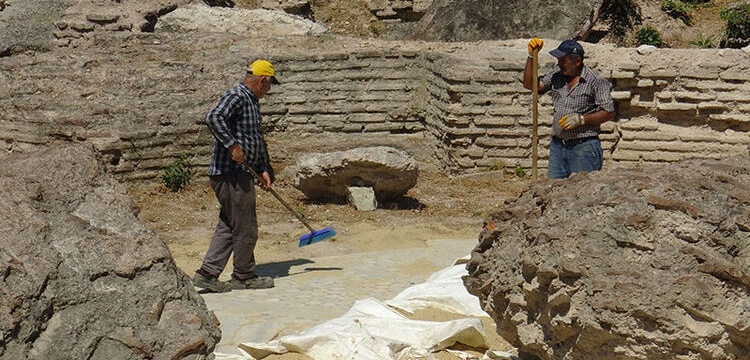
(567,47)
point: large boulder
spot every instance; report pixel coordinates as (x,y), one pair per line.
(80,276)
(650,263)
(475,20)
(389,172)
(237,21)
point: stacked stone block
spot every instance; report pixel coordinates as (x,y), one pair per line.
(142,105)
(679,105)
(364,92)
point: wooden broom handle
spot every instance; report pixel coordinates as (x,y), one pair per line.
(534,112)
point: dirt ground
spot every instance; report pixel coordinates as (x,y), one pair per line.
(438,207)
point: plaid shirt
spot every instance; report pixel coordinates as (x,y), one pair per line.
(236,120)
(590,94)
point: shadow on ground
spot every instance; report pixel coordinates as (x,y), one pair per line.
(282,268)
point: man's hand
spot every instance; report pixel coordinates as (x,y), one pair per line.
(265,181)
(571,121)
(237,155)
(535,43)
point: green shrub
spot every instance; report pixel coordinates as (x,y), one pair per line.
(520,171)
(703,42)
(678,10)
(737,17)
(622,15)
(648,36)
(177,175)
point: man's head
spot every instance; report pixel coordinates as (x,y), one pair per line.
(569,56)
(260,75)
(567,47)
(262,68)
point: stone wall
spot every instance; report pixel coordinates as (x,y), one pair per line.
(361,92)
(672,105)
(140,100)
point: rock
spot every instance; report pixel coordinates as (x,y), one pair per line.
(302,8)
(28,25)
(389,172)
(405,11)
(475,20)
(81,276)
(237,21)
(623,264)
(646,49)
(362,198)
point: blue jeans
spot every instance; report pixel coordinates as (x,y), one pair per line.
(567,157)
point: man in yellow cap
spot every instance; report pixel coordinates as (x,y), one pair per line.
(236,126)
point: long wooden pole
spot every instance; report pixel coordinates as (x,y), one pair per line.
(534,112)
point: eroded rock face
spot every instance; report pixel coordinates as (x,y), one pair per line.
(389,172)
(474,20)
(28,25)
(649,263)
(80,275)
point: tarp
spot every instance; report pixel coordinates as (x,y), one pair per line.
(370,330)
(374,330)
(443,290)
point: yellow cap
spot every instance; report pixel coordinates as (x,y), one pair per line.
(262,68)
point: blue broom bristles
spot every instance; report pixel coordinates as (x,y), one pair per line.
(315,236)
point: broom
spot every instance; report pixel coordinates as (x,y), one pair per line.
(314,235)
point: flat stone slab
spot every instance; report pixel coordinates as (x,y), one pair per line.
(362,198)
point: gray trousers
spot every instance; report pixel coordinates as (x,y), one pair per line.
(237,230)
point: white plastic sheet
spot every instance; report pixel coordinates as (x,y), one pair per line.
(370,330)
(443,290)
(373,330)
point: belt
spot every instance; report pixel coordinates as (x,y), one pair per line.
(574,141)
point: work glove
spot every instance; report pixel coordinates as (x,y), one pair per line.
(571,121)
(534,44)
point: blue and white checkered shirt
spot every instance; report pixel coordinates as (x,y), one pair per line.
(236,120)
(590,94)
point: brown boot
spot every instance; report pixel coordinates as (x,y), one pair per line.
(211,283)
(255,282)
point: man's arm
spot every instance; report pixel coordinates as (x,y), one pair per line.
(598,117)
(603,96)
(217,119)
(528,80)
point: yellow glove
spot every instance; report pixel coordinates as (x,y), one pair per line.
(570,121)
(535,43)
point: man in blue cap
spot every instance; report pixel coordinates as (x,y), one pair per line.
(582,102)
